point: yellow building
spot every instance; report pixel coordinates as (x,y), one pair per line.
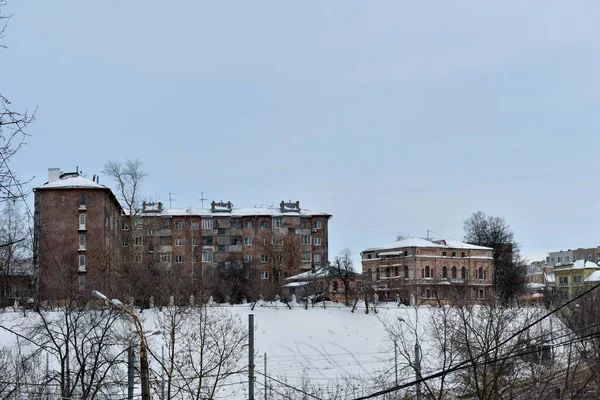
(569,279)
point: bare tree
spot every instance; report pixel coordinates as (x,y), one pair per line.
(205,350)
(82,344)
(509,269)
(343,269)
(15,253)
(284,253)
(13,126)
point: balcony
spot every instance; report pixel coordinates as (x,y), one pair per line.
(234,248)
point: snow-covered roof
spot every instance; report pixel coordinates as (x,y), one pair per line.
(535,285)
(594,277)
(421,242)
(235,212)
(321,273)
(72,181)
(582,264)
(296,284)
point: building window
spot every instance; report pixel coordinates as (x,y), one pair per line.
(589,257)
(178,258)
(81,282)
(292,231)
(150,248)
(221,232)
(81,242)
(138,241)
(221,248)
(247,257)
(453,272)
(125,226)
(567,259)
(335,286)
(317,241)
(305,257)
(264,274)
(247,241)
(138,258)
(179,225)
(453,254)
(207,223)
(264,225)
(304,224)
(317,224)
(124,243)
(277,222)
(236,223)
(82,262)
(406,272)
(207,240)
(194,258)
(317,258)
(178,242)
(396,271)
(463,273)
(81,221)
(463,254)
(195,242)
(264,258)
(443,254)
(305,239)
(481,294)
(150,232)
(82,201)
(207,256)
(427,272)
(480,273)
(165,258)
(195,226)
(444,272)
(563,280)
(248,225)
(558,259)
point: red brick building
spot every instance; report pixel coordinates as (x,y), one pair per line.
(190,241)
(430,271)
(77,224)
(84,240)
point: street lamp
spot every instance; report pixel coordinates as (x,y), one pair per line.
(417,359)
(143,352)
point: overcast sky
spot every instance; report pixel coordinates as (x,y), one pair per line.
(394,117)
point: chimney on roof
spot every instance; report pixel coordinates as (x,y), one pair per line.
(53,174)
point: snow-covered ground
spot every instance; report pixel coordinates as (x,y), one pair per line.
(330,346)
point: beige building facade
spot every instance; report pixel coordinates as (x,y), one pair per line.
(430,271)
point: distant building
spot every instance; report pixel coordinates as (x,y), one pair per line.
(77,225)
(588,254)
(83,238)
(191,241)
(327,282)
(430,271)
(570,279)
(562,257)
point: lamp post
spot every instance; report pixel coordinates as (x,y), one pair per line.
(417,359)
(143,352)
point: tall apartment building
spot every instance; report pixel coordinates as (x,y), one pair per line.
(84,239)
(190,241)
(77,227)
(430,271)
(558,258)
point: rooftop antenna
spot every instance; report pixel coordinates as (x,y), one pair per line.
(171,198)
(202,198)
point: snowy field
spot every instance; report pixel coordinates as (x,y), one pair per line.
(332,347)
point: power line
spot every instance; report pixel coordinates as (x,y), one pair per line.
(432,188)
(289,386)
(470,361)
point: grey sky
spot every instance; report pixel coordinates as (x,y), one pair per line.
(364,102)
